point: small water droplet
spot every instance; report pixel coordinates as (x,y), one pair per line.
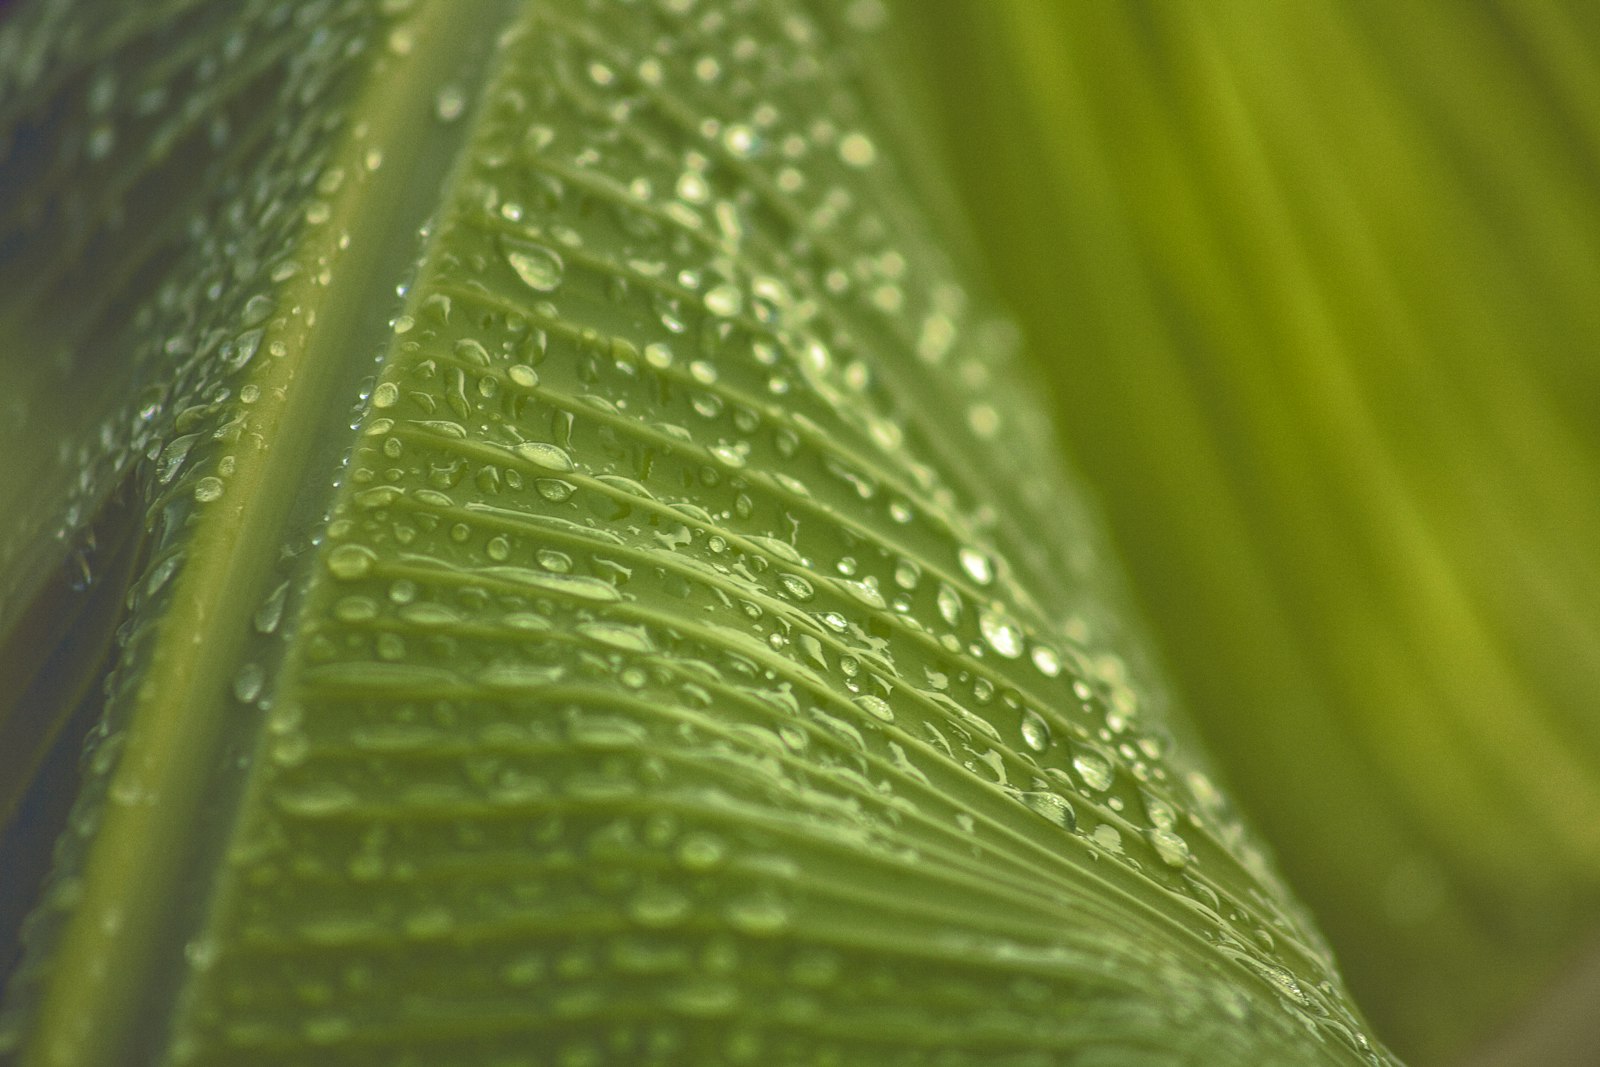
(208,489)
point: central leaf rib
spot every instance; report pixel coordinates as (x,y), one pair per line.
(318,325)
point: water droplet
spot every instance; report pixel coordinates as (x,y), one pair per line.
(740,140)
(977,565)
(1108,837)
(725,300)
(349,562)
(759,915)
(173,456)
(1094,770)
(1047,660)
(618,635)
(208,489)
(579,586)
(949,604)
(554,489)
(385,395)
(1161,813)
(657,907)
(256,310)
(700,852)
(877,707)
(1035,731)
(1000,632)
(865,592)
(1173,850)
(316,798)
(450,103)
(857,150)
(692,187)
(247,683)
(271,610)
(1053,807)
(550,457)
(1287,983)
(540,268)
(796,587)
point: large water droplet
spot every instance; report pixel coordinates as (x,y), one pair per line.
(1035,731)
(657,907)
(1173,850)
(1094,770)
(1053,807)
(351,561)
(977,565)
(540,268)
(877,707)
(796,587)
(247,683)
(1000,632)
(550,457)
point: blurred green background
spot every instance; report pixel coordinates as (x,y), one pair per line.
(1317,288)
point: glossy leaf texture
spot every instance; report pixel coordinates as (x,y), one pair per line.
(1315,287)
(600,585)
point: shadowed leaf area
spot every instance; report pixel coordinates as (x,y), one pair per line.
(550,557)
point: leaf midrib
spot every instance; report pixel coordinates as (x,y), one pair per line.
(95,997)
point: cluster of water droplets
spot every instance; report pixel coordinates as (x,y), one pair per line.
(664,646)
(165,336)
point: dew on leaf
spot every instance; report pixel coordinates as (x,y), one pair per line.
(349,562)
(539,267)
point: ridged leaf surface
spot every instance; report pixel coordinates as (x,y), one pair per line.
(606,593)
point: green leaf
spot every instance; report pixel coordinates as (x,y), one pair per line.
(604,590)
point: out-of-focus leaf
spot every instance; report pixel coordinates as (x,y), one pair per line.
(1315,284)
